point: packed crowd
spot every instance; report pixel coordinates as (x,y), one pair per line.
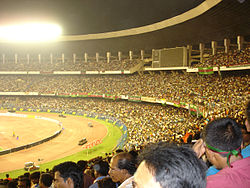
(145,122)
(234,57)
(217,94)
(68,65)
(150,128)
(158,165)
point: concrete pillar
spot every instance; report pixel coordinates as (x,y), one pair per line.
(16,58)
(214,47)
(108,57)
(51,58)
(39,58)
(63,58)
(28,58)
(85,57)
(3,58)
(97,56)
(142,54)
(240,42)
(119,56)
(202,47)
(227,45)
(130,55)
(74,58)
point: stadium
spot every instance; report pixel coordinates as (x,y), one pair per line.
(120,76)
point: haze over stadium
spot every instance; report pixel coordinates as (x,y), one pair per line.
(120,75)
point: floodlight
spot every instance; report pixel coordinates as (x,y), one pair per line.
(30,32)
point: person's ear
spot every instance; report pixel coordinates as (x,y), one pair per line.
(242,145)
(70,182)
(247,125)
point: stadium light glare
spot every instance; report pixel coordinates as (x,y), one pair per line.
(30,32)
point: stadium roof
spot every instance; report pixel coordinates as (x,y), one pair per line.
(227,19)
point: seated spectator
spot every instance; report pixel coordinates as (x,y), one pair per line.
(222,142)
(67,175)
(101,170)
(169,166)
(34,178)
(245,152)
(87,180)
(23,182)
(45,180)
(122,168)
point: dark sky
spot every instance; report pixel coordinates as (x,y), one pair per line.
(228,19)
(93,16)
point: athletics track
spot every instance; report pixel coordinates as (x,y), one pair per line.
(30,130)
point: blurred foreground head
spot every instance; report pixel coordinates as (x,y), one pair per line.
(169,166)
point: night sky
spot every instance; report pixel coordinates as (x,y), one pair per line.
(93,16)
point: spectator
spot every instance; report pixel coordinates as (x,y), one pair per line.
(122,168)
(245,152)
(23,182)
(169,166)
(101,170)
(45,180)
(222,143)
(67,175)
(34,178)
(87,180)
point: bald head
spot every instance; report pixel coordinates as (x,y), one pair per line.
(122,166)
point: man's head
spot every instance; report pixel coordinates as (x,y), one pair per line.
(45,180)
(248,116)
(34,177)
(101,168)
(122,166)
(223,138)
(68,175)
(168,166)
(82,164)
(23,182)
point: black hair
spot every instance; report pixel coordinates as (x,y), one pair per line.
(102,167)
(224,134)
(26,181)
(174,166)
(126,161)
(46,179)
(82,164)
(70,170)
(106,183)
(35,175)
(27,174)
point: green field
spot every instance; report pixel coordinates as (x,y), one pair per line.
(109,142)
